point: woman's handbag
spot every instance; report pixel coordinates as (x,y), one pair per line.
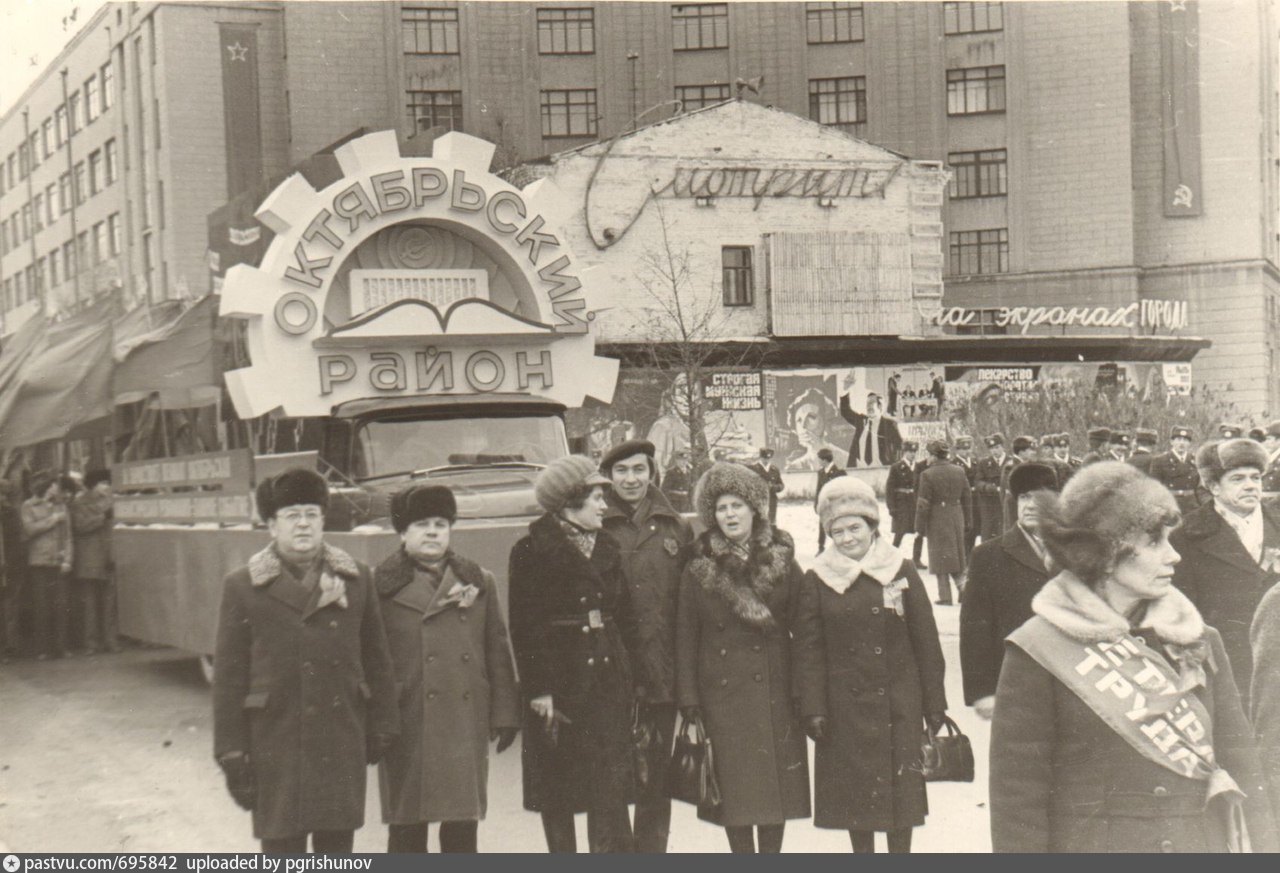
(691,775)
(946,758)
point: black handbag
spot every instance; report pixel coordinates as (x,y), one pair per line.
(946,758)
(691,774)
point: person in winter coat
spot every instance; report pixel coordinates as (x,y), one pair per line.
(46,527)
(571,618)
(772,476)
(454,673)
(93,568)
(1265,638)
(900,493)
(1230,547)
(829,470)
(868,670)
(989,478)
(1117,725)
(652,537)
(304,694)
(733,658)
(1003,577)
(944,509)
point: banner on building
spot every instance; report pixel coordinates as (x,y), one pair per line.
(241,113)
(1180,107)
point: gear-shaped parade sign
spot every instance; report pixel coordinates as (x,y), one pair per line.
(473,290)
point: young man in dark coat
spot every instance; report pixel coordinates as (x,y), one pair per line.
(304,694)
(900,498)
(651,536)
(1003,577)
(1176,470)
(830,470)
(1230,548)
(773,478)
(988,480)
(944,508)
(455,673)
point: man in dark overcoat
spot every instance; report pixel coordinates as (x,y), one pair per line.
(943,509)
(651,536)
(772,476)
(304,694)
(1230,547)
(1176,470)
(1144,445)
(455,674)
(963,457)
(1004,575)
(900,497)
(1098,439)
(989,479)
(1024,452)
(677,482)
(830,470)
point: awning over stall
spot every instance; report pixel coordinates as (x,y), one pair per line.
(179,362)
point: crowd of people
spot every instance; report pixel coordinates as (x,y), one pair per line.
(57,588)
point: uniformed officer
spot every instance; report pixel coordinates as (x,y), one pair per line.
(1176,469)
(1044,454)
(962,455)
(1258,434)
(988,475)
(1230,431)
(1066,460)
(1098,439)
(765,469)
(1118,445)
(1144,439)
(900,497)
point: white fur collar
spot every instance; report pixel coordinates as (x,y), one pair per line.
(265,565)
(1079,612)
(881,562)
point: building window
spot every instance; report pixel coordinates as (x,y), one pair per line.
(435,109)
(99,242)
(972,17)
(975,90)
(693,97)
(113,234)
(81,187)
(8,294)
(979,174)
(111,162)
(64,192)
(53,268)
(37,212)
(738,285)
(566,31)
(60,125)
(24,161)
(700,26)
(569,113)
(833,22)
(4,236)
(46,137)
(108,76)
(33,281)
(82,250)
(26,222)
(979,252)
(96,179)
(68,261)
(51,201)
(92,99)
(73,111)
(12,162)
(429,30)
(18,292)
(33,149)
(983,325)
(838,101)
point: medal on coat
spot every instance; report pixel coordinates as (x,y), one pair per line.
(595,619)
(671,546)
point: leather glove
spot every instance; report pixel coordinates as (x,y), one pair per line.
(816,727)
(691,713)
(935,721)
(376,746)
(505,737)
(238,771)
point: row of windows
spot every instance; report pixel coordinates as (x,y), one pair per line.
(90,248)
(433,30)
(87,178)
(83,107)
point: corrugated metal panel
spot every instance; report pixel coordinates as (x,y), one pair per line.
(835,284)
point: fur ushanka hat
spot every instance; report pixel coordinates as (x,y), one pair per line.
(1214,460)
(729,478)
(422,501)
(297,486)
(1104,506)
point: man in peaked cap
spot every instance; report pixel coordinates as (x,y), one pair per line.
(1044,452)
(652,536)
(988,478)
(1062,454)
(1271,476)
(900,498)
(1118,445)
(1230,431)
(1144,444)
(1258,434)
(962,456)
(292,731)
(765,469)
(1176,470)
(1230,547)
(1098,439)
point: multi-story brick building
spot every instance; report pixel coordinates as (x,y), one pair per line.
(1071,185)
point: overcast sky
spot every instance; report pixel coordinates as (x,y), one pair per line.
(33,34)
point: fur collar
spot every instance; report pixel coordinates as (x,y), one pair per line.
(1077,611)
(549,540)
(744,585)
(881,562)
(265,566)
(396,571)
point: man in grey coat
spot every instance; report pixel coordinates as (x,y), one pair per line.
(652,537)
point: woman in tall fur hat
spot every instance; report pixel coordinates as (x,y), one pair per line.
(733,658)
(453,666)
(868,673)
(1117,723)
(569,612)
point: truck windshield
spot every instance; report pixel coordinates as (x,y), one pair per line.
(389,448)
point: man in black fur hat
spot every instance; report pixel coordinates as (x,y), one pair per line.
(304,694)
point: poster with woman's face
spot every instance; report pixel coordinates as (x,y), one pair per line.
(806,417)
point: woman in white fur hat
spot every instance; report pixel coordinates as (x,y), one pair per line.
(1117,724)
(868,672)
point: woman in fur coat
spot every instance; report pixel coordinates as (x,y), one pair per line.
(868,672)
(1117,725)
(733,658)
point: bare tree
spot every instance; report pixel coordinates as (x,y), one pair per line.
(685,329)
